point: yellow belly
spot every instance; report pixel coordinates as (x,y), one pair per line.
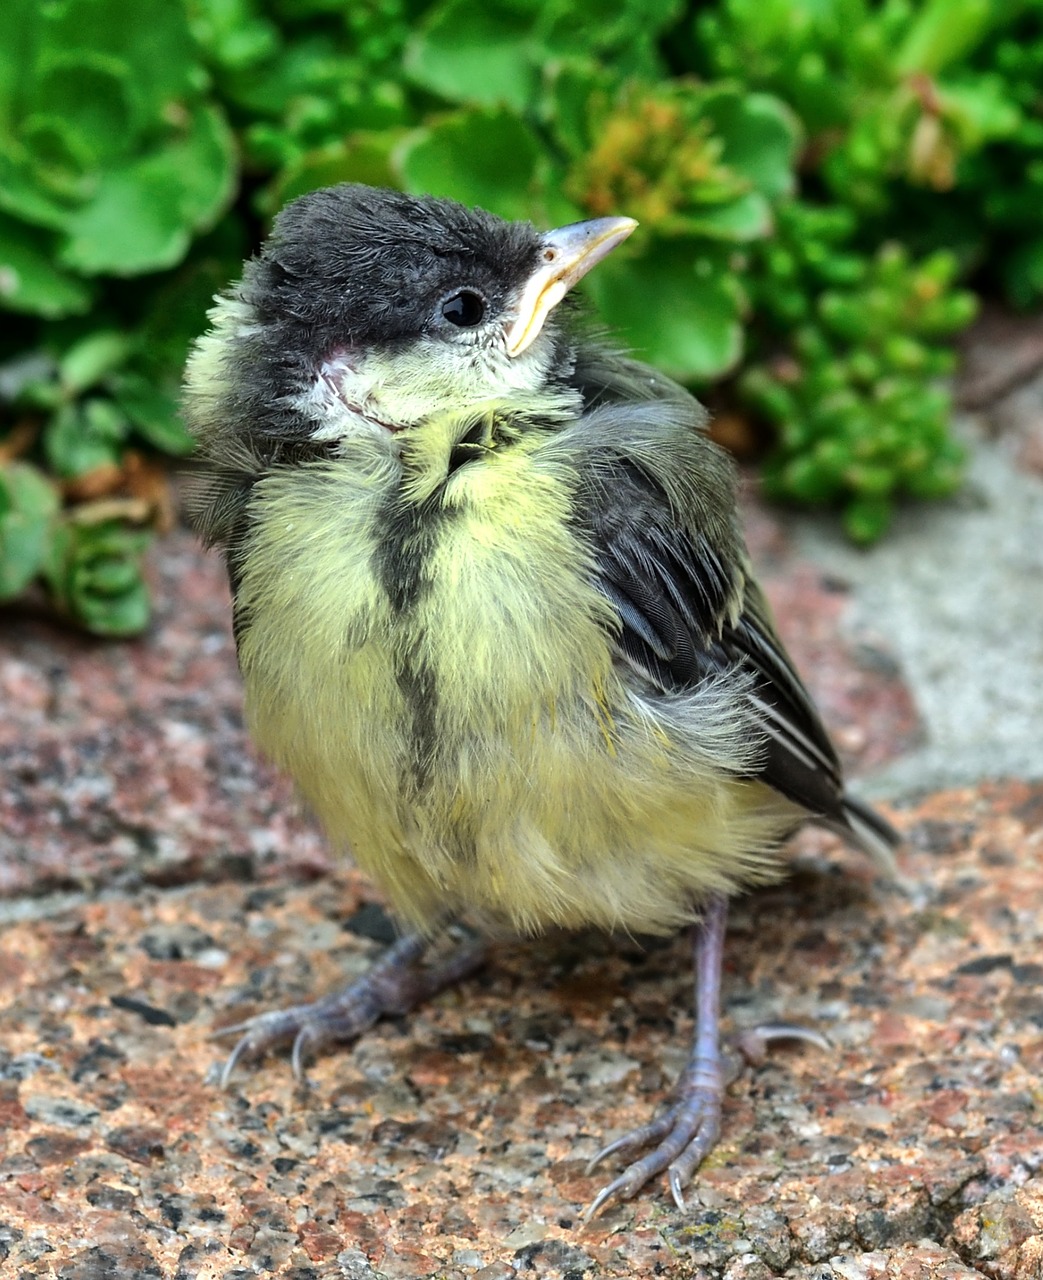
(549,791)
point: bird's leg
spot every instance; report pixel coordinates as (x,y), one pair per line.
(394,984)
(687,1131)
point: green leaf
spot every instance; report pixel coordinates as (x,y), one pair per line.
(83,436)
(679,309)
(152,41)
(22,22)
(476,53)
(89,360)
(570,87)
(175,311)
(29,280)
(153,412)
(361,157)
(28,506)
(144,213)
(747,217)
(944,31)
(480,157)
(94,574)
(132,225)
(866,519)
(623,36)
(980,111)
(40,193)
(233,33)
(760,136)
(90,94)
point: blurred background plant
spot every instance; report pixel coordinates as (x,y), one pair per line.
(824,186)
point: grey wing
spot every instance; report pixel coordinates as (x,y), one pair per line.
(688,613)
(658,504)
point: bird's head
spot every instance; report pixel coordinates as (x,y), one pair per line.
(370,312)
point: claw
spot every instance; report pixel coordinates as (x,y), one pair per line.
(683,1136)
(304,1039)
(393,985)
(600,1200)
(676,1185)
(231,1062)
(753,1043)
(650,1132)
(233,1029)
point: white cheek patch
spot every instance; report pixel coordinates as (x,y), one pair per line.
(383,391)
(338,401)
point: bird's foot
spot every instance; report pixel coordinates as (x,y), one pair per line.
(393,986)
(684,1135)
(687,1132)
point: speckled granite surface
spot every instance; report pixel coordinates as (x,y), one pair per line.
(158,882)
(453,1143)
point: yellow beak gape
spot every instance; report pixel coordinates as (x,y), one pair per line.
(568,253)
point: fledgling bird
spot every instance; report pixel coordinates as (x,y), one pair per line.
(493,608)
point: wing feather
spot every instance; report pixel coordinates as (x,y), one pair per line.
(677,575)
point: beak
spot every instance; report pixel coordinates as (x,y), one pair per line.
(566,255)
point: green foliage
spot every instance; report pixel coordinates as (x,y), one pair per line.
(93,571)
(925,119)
(768,148)
(853,395)
(111,158)
(28,511)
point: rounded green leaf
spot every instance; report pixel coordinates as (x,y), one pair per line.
(361,157)
(153,413)
(94,574)
(478,53)
(29,279)
(488,158)
(86,362)
(152,41)
(28,506)
(760,136)
(89,92)
(143,213)
(866,519)
(678,310)
(747,217)
(84,435)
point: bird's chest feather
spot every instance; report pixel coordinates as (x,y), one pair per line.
(439,682)
(399,650)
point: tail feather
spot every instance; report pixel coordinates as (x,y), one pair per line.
(873,834)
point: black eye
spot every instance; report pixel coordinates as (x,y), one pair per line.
(464,309)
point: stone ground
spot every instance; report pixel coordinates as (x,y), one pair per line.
(157,882)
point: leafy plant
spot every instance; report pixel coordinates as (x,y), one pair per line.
(853,392)
(768,147)
(926,120)
(113,160)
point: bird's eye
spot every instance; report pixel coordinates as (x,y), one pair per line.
(464,309)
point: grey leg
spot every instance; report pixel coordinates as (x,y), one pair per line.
(687,1131)
(394,985)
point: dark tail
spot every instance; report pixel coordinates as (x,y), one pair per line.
(873,834)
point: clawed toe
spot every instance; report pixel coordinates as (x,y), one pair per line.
(393,985)
(684,1137)
(304,1025)
(753,1043)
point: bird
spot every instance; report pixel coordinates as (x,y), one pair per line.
(494,612)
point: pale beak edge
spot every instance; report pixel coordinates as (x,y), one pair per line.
(568,253)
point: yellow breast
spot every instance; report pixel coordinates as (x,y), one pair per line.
(476,745)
